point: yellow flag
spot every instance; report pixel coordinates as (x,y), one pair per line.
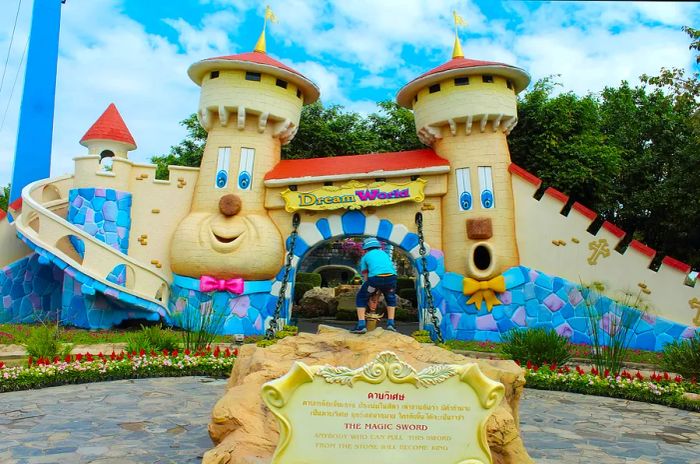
(459,21)
(269,15)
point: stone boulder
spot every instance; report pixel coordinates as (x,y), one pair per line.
(318,302)
(246,432)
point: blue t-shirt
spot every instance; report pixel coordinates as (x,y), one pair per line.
(377,262)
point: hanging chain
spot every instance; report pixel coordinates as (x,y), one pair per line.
(273,328)
(426,279)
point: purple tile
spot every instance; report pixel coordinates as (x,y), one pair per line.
(553,302)
(505,297)
(575,296)
(487,323)
(518,317)
(454,319)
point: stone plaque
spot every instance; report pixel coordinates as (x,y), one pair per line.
(384,412)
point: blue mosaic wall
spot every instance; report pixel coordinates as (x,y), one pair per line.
(82,306)
(535,299)
(30,290)
(103,213)
(247,313)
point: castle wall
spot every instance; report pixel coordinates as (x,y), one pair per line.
(157,206)
(534,299)
(30,291)
(561,245)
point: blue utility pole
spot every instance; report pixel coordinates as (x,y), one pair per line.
(33,152)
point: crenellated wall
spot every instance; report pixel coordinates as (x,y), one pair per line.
(561,245)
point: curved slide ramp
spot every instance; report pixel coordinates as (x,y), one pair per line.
(92,264)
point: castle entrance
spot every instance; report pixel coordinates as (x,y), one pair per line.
(328,280)
(323,276)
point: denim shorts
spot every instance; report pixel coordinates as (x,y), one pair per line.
(387,285)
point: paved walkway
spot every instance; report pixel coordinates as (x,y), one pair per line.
(164,421)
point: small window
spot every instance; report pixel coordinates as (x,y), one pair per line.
(222,167)
(252,76)
(462,81)
(245,168)
(487,78)
(281,83)
(214,75)
(486,186)
(328,184)
(464,189)
(509,83)
(415,98)
(434,88)
(298,93)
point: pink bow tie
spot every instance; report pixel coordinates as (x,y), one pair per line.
(210,284)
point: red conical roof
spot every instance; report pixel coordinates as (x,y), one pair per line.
(110,126)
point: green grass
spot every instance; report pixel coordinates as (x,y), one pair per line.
(18,334)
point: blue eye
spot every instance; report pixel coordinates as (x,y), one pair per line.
(221,179)
(465,201)
(244,180)
(487,199)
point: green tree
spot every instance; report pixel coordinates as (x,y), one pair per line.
(5,197)
(187,153)
(559,138)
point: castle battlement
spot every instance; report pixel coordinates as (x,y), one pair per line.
(567,248)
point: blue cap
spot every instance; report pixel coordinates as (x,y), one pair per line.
(371,242)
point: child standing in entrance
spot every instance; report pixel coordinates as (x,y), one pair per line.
(380,275)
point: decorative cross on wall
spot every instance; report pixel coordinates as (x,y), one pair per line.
(600,249)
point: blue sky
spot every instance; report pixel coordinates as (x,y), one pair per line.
(135,53)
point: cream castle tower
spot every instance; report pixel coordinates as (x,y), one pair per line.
(250,105)
(464,109)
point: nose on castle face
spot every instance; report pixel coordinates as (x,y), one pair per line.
(230,205)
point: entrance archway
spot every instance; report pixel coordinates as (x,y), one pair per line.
(355,223)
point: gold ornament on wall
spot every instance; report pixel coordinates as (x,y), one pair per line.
(600,249)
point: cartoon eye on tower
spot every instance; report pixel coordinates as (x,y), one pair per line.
(464,188)
(245,169)
(486,186)
(222,165)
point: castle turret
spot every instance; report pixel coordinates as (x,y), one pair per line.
(250,105)
(109,136)
(104,213)
(464,109)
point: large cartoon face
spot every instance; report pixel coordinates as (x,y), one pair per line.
(227,244)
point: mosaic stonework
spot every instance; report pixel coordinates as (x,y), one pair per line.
(103,213)
(30,291)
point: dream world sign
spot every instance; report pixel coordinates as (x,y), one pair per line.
(354,195)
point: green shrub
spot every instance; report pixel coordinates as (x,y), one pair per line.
(200,327)
(539,346)
(44,341)
(405,283)
(299,289)
(153,338)
(403,315)
(683,357)
(313,278)
(409,294)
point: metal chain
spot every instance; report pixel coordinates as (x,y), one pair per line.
(272,329)
(426,279)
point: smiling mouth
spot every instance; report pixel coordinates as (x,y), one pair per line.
(221,239)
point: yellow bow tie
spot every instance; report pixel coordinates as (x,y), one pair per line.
(484,290)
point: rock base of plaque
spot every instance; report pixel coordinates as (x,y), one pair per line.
(245,431)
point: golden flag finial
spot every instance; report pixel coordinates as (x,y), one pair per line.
(260,46)
(459,21)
